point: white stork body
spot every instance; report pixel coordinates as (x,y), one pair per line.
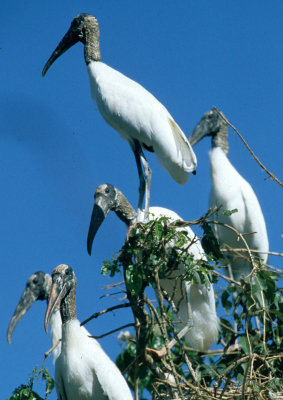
(138,116)
(83,371)
(56,333)
(195,302)
(131,110)
(231,191)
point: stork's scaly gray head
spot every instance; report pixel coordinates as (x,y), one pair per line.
(211,124)
(37,288)
(84,28)
(63,283)
(107,197)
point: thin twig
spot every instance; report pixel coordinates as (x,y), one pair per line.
(113,331)
(239,234)
(272,253)
(97,314)
(248,147)
(112,285)
(244,380)
(165,335)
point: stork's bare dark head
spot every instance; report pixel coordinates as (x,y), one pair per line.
(107,198)
(63,277)
(84,28)
(211,124)
(63,281)
(104,201)
(37,288)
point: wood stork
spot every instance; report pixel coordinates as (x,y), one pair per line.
(130,109)
(83,371)
(38,288)
(232,191)
(195,302)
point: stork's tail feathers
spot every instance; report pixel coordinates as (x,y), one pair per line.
(181,159)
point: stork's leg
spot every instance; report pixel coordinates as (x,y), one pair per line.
(142,183)
(162,352)
(147,175)
(189,324)
(144,177)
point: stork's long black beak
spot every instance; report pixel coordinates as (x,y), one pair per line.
(25,302)
(198,133)
(70,38)
(54,299)
(99,213)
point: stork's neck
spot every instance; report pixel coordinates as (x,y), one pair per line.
(56,331)
(124,210)
(220,139)
(92,48)
(68,306)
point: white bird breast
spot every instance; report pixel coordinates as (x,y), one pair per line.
(84,371)
(232,191)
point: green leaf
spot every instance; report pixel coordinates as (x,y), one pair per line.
(229,212)
(244,344)
(209,242)
(134,280)
(49,381)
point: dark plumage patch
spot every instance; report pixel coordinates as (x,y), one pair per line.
(148,148)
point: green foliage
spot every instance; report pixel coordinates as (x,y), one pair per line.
(26,392)
(156,247)
(126,362)
(156,250)
(210,244)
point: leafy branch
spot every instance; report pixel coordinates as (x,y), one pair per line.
(253,370)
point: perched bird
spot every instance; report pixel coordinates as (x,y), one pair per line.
(38,288)
(231,191)
(83,371)
(131,110)
(195,302)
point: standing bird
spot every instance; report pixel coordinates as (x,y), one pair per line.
(195,302)
(231,191)
(131,110)
(83,371)
(38,288)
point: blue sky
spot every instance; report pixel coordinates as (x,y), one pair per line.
(56,148)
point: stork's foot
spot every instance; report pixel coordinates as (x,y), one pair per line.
(157,354)
(233,347)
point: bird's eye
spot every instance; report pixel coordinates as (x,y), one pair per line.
(67,271)
(35,281)
(107,190)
